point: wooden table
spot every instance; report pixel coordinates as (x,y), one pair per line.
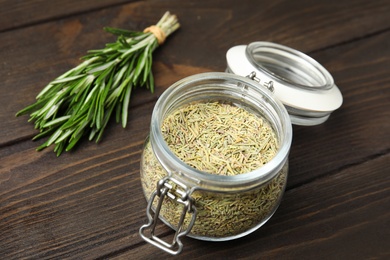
(88,204)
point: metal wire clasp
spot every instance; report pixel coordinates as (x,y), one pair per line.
(269,85)
(168,188)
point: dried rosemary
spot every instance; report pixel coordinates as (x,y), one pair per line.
(223,139)
(219,138)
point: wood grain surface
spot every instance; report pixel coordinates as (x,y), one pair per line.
(89,204)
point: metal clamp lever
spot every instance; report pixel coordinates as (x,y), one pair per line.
(165,190)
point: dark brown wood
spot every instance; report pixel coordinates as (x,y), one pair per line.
(16,14)
(88,204)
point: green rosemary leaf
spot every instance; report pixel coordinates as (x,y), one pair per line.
(45,90)
(80,98)
(56,121)
(105,122)
(50,104)
(42,146)
(139,67)
(119,75)
(72,121)
(123,32)
(103,67)
(64,136)
(133,49)
(151,83)
(59,148)
(132,61)
(73,142)
(118,112)
(125,106)
(123,41)
(125,61)
(92,134)
(93,111)
(66,79)
(87,101)
(53,138)
(43,133)
(81,88)
(114,96)
(101,105)
(101,79)
(32,107)
(79,130)
(148,66)
(76,86)
(53,109)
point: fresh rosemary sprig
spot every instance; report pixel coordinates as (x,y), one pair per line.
(81,101)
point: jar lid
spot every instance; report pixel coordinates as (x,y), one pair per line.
(303,85)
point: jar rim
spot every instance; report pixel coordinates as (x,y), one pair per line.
(289,66)
(204,179)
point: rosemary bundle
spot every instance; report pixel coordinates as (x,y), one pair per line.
(82,100)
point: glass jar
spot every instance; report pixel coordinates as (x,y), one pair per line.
(203,205)
(271,81)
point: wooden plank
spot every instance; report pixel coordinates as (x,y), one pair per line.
(342,216)
(209,29)
(15,14)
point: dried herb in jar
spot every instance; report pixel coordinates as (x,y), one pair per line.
(224,139)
